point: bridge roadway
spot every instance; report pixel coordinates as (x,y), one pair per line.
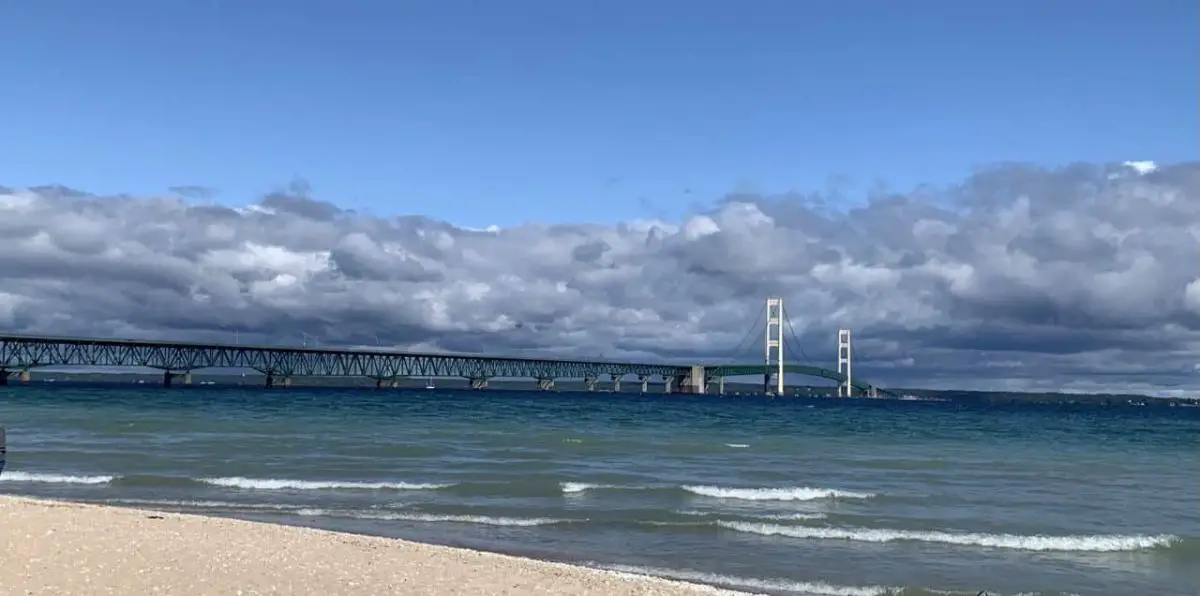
(20,353)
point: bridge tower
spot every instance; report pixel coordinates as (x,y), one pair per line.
(845,388)
(773,344)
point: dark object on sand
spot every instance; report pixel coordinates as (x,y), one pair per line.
(3,449)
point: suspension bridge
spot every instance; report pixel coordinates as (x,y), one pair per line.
(19,354)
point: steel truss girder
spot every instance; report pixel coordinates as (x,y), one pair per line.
(24,352)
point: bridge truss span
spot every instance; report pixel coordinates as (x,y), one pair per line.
(21,353)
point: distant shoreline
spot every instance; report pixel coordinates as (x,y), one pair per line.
(733,390)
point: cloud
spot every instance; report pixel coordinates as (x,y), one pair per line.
(1083,277)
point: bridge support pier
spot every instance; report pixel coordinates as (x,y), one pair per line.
(3,377)
(695,381)
(478,382)
(616,382)
(708,385)
(23,376)
(667,384)
(590,382)
(545,384)
(169,377)
(386,383)
(645,381)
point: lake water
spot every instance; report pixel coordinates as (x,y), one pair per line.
(773,496)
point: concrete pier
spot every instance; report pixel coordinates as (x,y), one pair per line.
(616,382)
(545,384)
(24,376)
(696,381)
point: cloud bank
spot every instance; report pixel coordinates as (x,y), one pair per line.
(1082,277)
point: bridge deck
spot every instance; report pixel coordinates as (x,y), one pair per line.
(23,352)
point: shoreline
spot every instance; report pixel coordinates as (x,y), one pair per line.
(67,547)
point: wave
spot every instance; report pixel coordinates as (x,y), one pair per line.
(290,484)
(768,516)
(736,445)
(430,517)
(225,482)
(202,504)
(775,494)
(53,478)
(790,493)
(570,488)
(775,585)
(1083,543)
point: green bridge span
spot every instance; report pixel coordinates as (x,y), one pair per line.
(21,353)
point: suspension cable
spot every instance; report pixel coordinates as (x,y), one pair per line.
(737,351)
(792,331)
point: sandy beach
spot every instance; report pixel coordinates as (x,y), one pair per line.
(63,548)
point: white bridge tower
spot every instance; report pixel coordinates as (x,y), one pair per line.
(845,388)
(774,342)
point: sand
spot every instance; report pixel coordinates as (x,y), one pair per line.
(61,548)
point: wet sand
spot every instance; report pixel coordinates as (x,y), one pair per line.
(61,548)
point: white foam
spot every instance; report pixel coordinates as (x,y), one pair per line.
(775,494)
(427,517)
(792,516)
(736,445)
(203,504)
(53,478)
(578,487)
(1084,543)
(286,484)
(775,585)
(770,516)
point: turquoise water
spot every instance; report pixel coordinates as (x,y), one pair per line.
(795,496)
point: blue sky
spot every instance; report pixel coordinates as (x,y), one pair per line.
(498,112)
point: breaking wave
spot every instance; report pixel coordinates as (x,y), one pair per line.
(1091,543)
(237,482)
(744,583)
(775,494)
(430,517)
(289,484)
(720,492)
(53,478)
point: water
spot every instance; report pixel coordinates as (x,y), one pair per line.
(770,496)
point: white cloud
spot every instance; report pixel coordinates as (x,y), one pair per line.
(1068,276)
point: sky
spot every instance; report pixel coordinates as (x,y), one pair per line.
(991,196)
(495,113)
